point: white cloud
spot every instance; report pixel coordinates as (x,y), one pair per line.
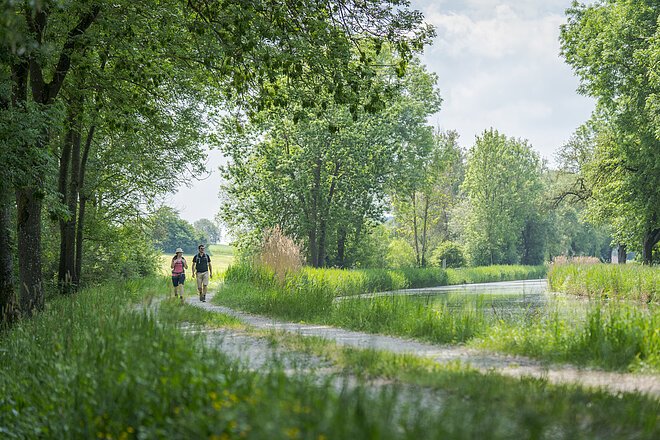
(499,66)
(505,33)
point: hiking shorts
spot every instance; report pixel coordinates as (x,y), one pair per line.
(202,279)
(178,279)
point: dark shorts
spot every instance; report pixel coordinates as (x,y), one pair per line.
(178,279)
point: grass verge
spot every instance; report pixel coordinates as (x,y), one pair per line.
(623,281)
(611,336)
(94,365)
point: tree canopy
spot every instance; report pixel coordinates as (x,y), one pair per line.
(614,47)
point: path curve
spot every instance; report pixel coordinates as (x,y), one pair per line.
(510,365)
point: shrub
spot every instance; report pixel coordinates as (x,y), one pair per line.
(400,254)
(450,252)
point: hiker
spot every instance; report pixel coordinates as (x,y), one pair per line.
(179,266)
(201,268)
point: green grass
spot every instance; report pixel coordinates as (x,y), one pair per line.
(487,274)
(341,282)
(93,365)
(627,281)
(611,335)
(530,402)
(174,312)
(614,336)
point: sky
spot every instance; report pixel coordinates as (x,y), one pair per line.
(498,66)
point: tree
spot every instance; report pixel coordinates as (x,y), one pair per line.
(169,232)
(235,52)
(614,47)
(209,229)
(320,170)
(502,184)
(423,200)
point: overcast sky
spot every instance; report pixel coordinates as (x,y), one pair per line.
(498,66)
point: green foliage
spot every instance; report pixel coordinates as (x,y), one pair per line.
(169,232)
(426,191)
(321,170)
(117,252)
(617,281)
(448,253)
(614,47)
(400,254)
(373,250)
(503,186)
(206,228)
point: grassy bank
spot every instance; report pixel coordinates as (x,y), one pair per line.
(614,336)
(626,281)
(94,366)
(339,282)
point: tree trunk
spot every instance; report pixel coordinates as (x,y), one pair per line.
(323,224)
(621,254)
(650,239)
(314,214)
(66,245)
(83,201)
(341,247)
(415,232)
(424,228)
(8,303)
(28,204)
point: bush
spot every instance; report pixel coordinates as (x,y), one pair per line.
(400,254)
(450,252)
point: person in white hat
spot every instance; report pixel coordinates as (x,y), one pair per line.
(179,266)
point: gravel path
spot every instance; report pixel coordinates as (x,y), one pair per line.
(259,352)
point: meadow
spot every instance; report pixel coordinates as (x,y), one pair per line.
(106,363)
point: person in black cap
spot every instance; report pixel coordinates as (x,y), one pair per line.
(201,268)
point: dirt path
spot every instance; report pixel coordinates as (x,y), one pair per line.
(515,366)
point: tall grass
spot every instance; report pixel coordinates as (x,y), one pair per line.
(614,335)
(487,274)
(628,281)
(95,366)
(341,282)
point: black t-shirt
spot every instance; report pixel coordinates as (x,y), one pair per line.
(201,262)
